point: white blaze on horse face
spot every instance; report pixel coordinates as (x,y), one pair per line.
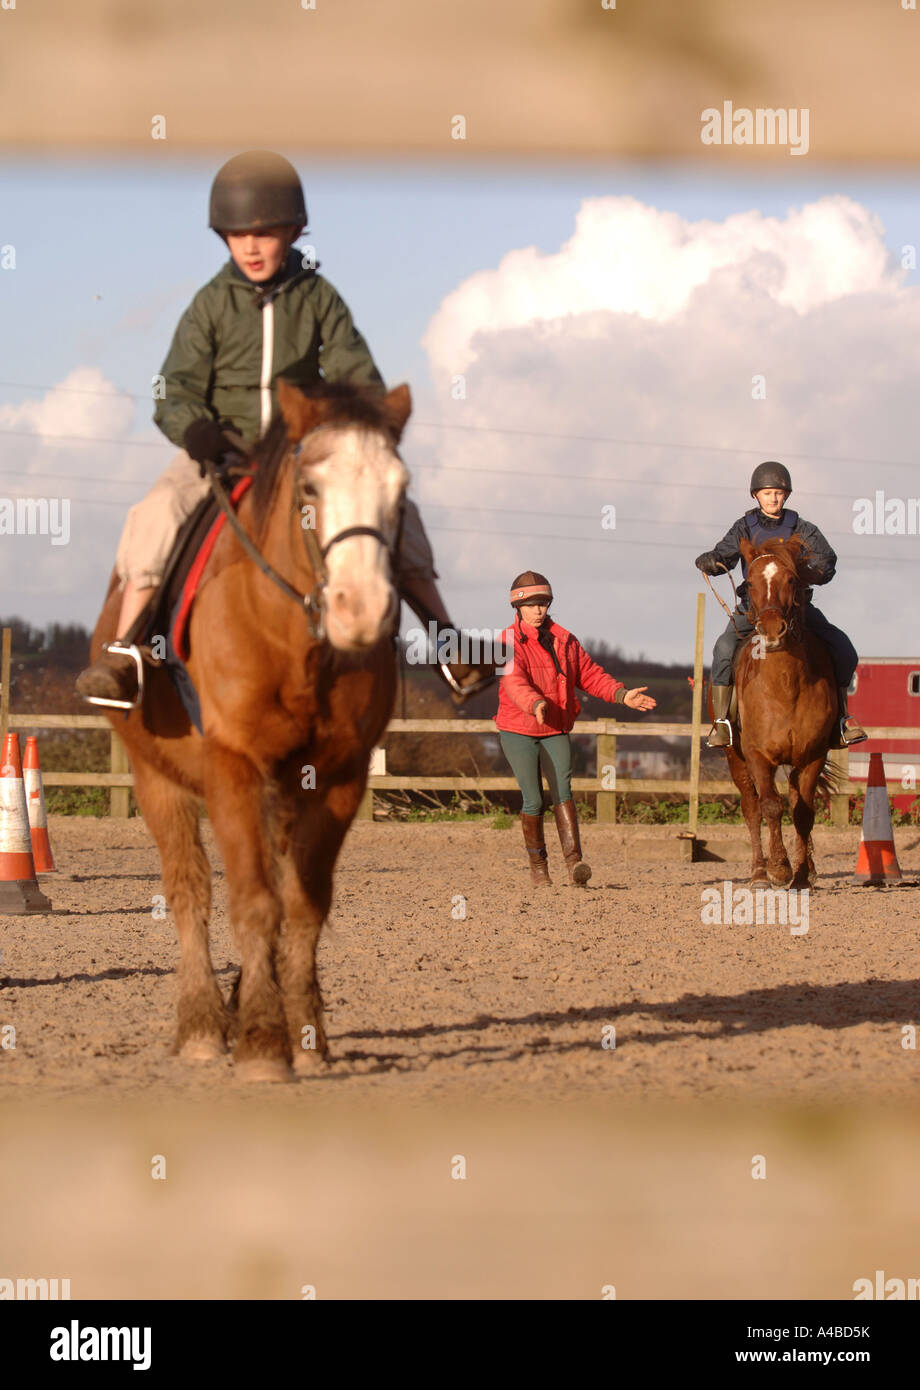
(360,481)
(770,571)
(771,617)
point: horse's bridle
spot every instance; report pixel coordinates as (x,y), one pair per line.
(314,602)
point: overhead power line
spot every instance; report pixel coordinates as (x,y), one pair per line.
(523,476)
(512,431)
(88,439)
(615,542)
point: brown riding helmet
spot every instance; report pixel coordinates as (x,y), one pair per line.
(529,587)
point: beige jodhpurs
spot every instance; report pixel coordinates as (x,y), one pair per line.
(154,522)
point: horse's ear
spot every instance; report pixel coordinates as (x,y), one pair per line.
(299,412)
(397,408)
(746,548)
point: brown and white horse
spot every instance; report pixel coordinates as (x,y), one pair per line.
(787,706)
(289,718)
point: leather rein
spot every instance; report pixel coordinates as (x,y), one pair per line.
(312,603)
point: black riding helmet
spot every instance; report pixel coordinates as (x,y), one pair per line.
(770,475)
(256,189)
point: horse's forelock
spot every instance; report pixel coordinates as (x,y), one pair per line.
(792,556)
(788,553)
(340,405)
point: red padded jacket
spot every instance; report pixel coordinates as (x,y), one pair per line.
(533,676)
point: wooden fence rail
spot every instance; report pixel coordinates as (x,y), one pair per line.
(606,785)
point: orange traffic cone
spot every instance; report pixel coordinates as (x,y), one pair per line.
(38,815)
(877,862)
(19,890)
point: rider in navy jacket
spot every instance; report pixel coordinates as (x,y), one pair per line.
(772,520)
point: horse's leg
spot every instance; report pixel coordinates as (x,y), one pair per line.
(799,844)
(803,783)
(311,827)
(234,790)
(779,870)
(750,809)
(172,816)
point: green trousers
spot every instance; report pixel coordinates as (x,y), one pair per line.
(527,754)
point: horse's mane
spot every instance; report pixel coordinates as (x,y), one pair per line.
(344,405)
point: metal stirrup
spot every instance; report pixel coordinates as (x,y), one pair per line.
(472,689)
(128,650)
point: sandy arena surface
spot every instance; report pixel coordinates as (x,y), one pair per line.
(754,1133)
(509,1002)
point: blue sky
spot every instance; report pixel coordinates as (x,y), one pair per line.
(394,240)
(110,253)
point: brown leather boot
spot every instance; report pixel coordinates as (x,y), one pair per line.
(567,825)
(536,848)
(721,733)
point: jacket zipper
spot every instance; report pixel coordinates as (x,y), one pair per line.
(268,352)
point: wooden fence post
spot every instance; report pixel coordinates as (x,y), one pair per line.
(119,797)
(607,758)
(5,684)
(693,816)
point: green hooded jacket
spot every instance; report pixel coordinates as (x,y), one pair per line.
(237,338)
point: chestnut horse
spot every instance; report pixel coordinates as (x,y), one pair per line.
(787,708)
(290,714)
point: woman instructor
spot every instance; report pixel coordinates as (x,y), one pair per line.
(537,707)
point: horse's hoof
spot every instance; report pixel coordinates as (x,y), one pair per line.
(202,1050)
(782,879)
(308,1062)
(261,1069)
(758,876)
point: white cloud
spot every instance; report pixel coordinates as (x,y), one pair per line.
(647,328)
(78,443)
(85,403)
(627,258)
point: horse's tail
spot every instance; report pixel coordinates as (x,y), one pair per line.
(830,779)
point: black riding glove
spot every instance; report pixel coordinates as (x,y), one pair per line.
(709,563)
(204,439)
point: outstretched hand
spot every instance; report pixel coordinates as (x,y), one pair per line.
(636,699)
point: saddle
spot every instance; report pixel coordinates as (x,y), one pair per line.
(733,708)
(169,611)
